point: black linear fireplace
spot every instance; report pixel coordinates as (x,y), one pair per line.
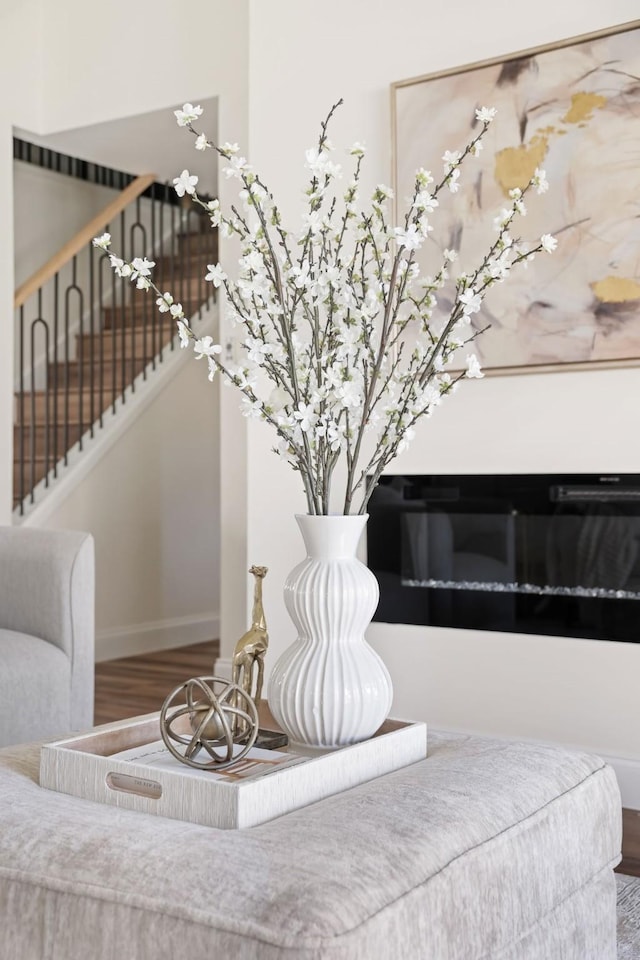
(555,554)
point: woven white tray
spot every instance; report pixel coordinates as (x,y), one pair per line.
(84,766)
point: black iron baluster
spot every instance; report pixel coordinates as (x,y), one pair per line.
(56,368)
(166,314)
(21,410)
(123,315)
(80,360)
(32,437)
(92,343)
(72,288)
(154,313)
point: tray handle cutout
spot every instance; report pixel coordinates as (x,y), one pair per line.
(125,783)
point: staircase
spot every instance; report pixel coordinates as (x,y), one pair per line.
(85,362)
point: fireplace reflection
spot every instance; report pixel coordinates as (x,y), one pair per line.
(552,554)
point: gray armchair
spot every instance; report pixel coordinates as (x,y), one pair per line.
(47,582)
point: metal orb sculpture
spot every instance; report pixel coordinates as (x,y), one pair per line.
(209,715)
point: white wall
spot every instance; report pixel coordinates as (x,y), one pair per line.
(573,691)
(21,47)
(148,142)
(153,504)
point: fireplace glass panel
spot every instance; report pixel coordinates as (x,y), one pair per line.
(551,554)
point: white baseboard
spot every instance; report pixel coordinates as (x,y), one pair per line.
(223,667)
(628,774)
(159,635)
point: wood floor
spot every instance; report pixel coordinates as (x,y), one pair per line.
(134,685)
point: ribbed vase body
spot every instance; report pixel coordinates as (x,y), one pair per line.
(330,688)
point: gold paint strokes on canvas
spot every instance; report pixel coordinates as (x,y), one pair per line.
(582,106)
(516,165)
(616,289)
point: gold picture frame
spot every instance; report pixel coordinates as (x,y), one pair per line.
(573,108)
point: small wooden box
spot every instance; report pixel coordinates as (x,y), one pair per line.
(84,766)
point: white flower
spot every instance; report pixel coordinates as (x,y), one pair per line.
(176,311)
(230,148)
(257,351)
(238,167)
(305,415)
(185,183)
(452,181)
(382,193)
(406,438)
(358,150)
(350,394)
(476,148)
(486,114)
(103,242)
(473,371)
(425,201)
(252,408)
(539,180)
(183,330)
(423,177)
(187,115)
(502,219)
(216,274)
(201,142)
(121,268)
(164,302)
(141,267)
(451,159)
(471,301)
(205,347)
(449,255)
(548,242)
(410,239)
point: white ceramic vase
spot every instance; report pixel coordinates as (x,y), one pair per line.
(330,688)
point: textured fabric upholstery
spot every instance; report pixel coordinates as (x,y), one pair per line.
(485,851)
(47,584)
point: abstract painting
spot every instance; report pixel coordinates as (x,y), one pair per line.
(573,109)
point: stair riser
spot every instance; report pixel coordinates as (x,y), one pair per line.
(190,255)
(137,315)
(90,376)
(110,346)
(76,409)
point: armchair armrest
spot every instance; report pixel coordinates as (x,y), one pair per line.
(47,590)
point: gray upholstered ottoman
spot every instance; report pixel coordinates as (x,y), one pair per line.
(484,850)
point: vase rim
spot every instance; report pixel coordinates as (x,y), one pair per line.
(332,516)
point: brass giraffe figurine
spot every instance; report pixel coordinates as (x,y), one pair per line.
(252,646)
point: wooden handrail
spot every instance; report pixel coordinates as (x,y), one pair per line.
(82,238)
